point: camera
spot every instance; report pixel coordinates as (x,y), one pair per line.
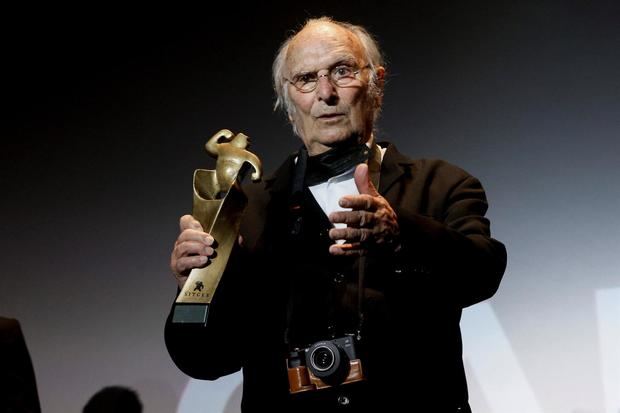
(324,364)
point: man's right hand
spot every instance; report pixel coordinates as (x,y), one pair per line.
(192,249)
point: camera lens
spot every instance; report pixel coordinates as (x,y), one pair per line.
(322,358)
(328,362)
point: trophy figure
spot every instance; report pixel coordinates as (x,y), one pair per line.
(218,205)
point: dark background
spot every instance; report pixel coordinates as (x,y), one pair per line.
(107,111)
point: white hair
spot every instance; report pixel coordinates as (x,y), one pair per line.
(372,54)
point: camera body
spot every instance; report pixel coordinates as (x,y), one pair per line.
(324,364)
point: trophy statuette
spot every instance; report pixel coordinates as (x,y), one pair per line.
(218,204)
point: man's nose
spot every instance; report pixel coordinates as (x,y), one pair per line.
(325,88)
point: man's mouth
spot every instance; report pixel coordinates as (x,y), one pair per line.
(330,115)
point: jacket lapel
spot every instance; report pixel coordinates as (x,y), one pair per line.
(391,167)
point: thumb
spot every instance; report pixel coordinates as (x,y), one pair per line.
(362,180)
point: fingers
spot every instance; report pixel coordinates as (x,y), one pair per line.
(363,201)
(192,249)
(370,222)
(197,236)
(355,218)
(188,255)
(186,264)
(364,231)
(191,230)
(350,234)
(347,249)
(189,222)
(189,248)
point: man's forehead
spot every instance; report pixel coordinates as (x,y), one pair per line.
(321,45)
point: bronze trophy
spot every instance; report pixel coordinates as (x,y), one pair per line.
(218,205)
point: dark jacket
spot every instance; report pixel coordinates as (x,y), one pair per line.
(411,343)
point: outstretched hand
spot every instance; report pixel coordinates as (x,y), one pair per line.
(371,223)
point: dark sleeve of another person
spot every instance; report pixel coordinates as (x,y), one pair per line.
(18,387)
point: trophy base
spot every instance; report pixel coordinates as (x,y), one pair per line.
(190,313)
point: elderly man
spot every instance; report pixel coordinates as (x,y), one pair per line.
(351,251)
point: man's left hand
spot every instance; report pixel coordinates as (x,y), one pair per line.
(371,223)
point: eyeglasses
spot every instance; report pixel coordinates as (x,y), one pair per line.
(340,75)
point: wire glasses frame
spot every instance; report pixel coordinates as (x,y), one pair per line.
(340,75)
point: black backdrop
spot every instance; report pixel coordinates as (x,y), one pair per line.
(107,110)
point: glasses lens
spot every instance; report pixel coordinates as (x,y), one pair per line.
(343,81)
(343,75)
(306,86)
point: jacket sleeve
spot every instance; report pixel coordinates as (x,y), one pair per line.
(213,350)
(446,244)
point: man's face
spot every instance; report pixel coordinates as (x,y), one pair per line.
(329,114)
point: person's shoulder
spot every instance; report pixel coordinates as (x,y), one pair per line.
(425,166)
(443,168)
(9,328)
(274,181)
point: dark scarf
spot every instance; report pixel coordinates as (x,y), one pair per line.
(337,160)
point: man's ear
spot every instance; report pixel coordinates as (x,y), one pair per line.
(380,81)
(380,73)
(380,70)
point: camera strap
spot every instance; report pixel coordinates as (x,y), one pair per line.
(299,186)
(361,272)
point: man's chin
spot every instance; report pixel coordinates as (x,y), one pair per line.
(332,139)
(343,139)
